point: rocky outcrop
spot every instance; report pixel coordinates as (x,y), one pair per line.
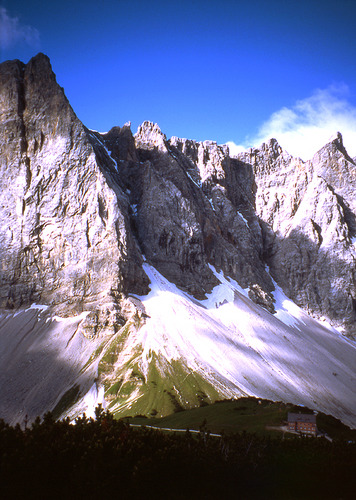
(65,238)
(191,206)
(308,213)
(213,215)
(194,207)
(281,182)
(333,164)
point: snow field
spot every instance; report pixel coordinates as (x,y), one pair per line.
(287,356)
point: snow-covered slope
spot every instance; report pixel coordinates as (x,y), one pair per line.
(180,353)
(41,358)
(227,346)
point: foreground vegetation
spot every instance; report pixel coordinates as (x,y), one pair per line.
(95,458)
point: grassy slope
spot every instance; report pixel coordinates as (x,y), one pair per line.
(168,388)
(245,414)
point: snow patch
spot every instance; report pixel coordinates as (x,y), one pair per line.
(92,399)
(97,131)
(211,203)
(193,181)
(229,282)
(106,149)
(243,218)
(336,331)
(39,307)
(109,155)
(325,322)
(71,319)
(286,310)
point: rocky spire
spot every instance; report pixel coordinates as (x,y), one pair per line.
(149,136)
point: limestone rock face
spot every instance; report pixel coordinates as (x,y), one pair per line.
(65,238)
(189,203)
(149,136)
(308,210)
(334,165)
(281,183)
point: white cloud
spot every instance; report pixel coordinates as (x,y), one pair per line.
(308,125)
(235,149)
(13,32)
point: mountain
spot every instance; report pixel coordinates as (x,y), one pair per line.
(154,274)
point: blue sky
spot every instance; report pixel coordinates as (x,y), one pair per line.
(226,71)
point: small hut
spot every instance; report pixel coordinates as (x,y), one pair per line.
(303,423)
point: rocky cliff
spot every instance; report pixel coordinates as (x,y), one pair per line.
(88,219)
(65,229)
(307,211)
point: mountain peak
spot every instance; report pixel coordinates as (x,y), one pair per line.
(149,136)
(337,140)
(40,65)
(272,148)
(335,145)
(41,58)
